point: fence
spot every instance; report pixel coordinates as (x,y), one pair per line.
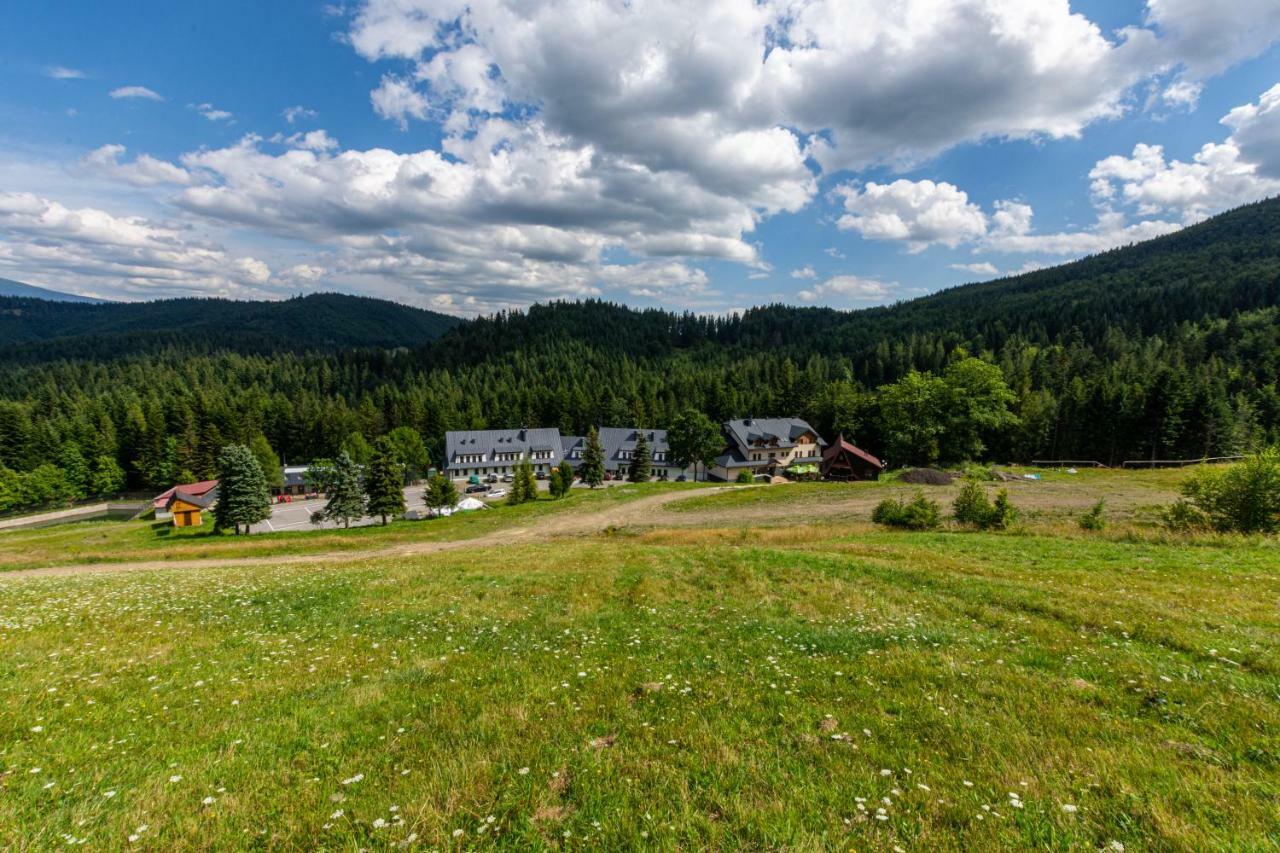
(1067,463)
(1176,463)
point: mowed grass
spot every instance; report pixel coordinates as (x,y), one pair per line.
(1133,497)
(678,689)
(121,541)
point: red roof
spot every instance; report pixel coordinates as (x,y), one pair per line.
(840,444)
(161,500)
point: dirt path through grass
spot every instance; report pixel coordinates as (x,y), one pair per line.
(568,524)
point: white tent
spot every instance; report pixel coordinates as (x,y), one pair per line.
(464,505)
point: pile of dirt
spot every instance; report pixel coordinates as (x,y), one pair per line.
(927,477)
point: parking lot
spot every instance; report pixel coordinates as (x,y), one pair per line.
(296,515)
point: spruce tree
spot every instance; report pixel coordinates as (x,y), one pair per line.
(641,461)
(382,481)
(346,494)
(592,469)
(242,490)
(441,493)
(524,488)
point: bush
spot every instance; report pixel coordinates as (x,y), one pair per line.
(745,477)
(920,514)
(979,472)
(1244,498)
(1095,519)
(971,507)
(1003,513)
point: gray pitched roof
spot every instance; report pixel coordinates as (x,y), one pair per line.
(783,431)
(203,501)
(615,441)
(487,442)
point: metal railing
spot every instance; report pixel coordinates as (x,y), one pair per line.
(1176,463)
(1067,463)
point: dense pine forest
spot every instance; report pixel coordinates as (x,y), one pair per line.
(1167,349)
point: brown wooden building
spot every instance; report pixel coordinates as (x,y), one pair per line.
(187,509)
(842,461)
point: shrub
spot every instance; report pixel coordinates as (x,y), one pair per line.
(920,514)
(1095,519)
(979,472)
(972,507)
(1244,498)
(745,477)
(1002,514)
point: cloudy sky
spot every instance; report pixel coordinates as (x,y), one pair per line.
(710,155)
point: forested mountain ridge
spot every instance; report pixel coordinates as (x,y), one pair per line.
(1227,264)
(39,330)
(1167,349)
(9,287)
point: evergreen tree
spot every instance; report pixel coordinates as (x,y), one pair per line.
(242,490)
(384,481)
(267,460)
(524,486)
(346,494)
(440,494)
(641,461)
(591,471)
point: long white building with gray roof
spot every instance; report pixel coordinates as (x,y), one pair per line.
(497,451)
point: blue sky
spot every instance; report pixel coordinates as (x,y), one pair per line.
(476,156)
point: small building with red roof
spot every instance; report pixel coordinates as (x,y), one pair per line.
(160,503)
(842,462)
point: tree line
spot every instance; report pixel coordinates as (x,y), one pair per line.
(1168,349)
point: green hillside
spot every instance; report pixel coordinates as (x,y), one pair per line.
(39,329)
(1165,350)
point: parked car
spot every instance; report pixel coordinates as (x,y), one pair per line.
(477,488)
(497,493)
(540,475)
(508,478)
(681,479)
(492,478)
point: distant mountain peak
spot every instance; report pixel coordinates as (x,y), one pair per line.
(9,287)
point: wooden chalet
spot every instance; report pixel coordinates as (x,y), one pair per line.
(160,502)
(843,462)
(188,509)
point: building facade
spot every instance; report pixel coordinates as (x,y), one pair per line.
(767,446)
(619,445)
(843,461)
(479,453)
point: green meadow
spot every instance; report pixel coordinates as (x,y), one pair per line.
(672,682)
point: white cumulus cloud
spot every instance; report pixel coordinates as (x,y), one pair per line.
(136,92)
(920,213)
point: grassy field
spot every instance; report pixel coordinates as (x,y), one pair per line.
(803,686)
(121,541)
